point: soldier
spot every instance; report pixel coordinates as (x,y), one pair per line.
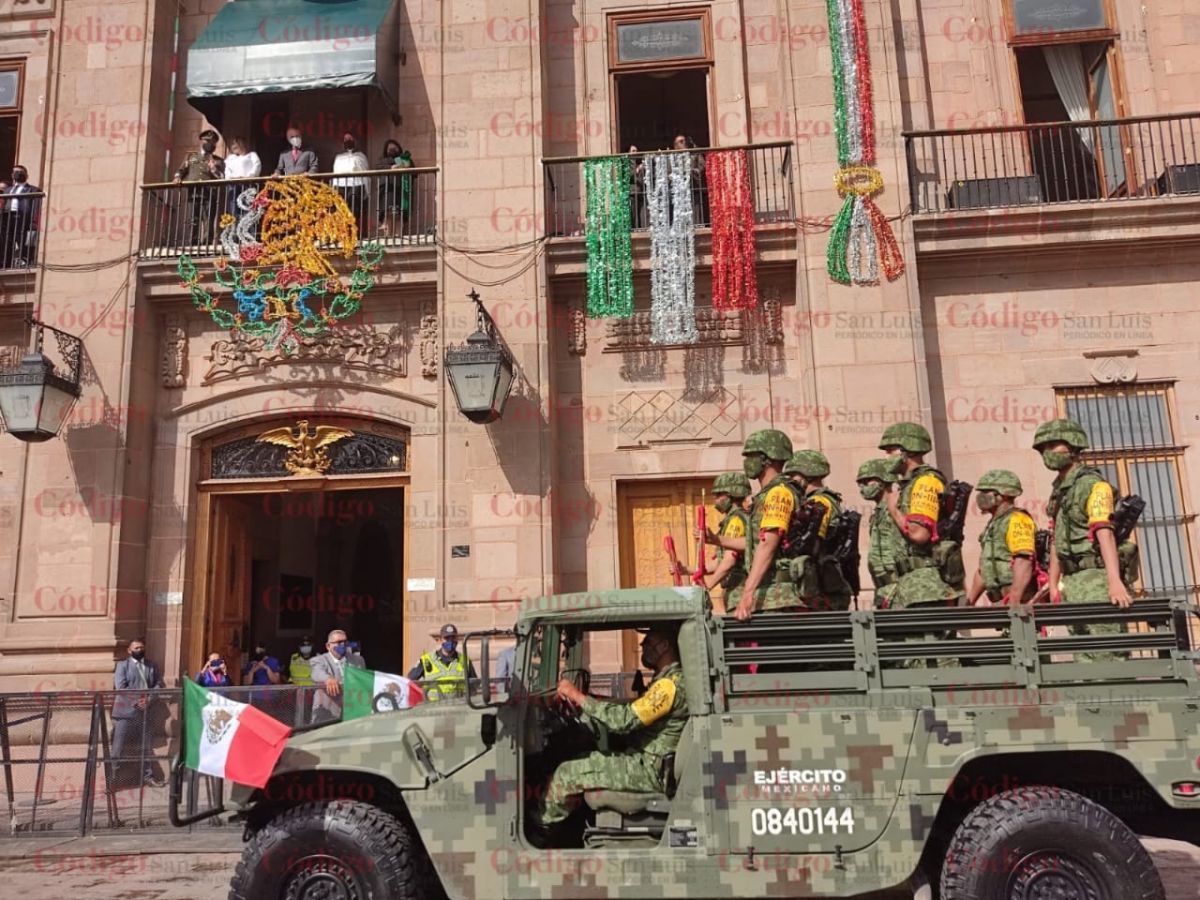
(923,574)
(875,478)
(771,541)
(1006,556)
(203,200)
(807,469)
(1081,505)
(651,724)
(731,490)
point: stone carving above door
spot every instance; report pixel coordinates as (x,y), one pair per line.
(362,347)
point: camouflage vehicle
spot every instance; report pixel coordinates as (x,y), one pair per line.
(816,762)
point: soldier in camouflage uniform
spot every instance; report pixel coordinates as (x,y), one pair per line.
(652,725)
(925,572)
(731,490)
(825,587)
(1006,556)
(771,543)
(202,200)
(875,478)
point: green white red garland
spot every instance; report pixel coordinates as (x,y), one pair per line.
(862,238)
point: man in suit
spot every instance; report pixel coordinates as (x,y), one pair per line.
(19,229)
(328,672)
(133,675)
(296,161)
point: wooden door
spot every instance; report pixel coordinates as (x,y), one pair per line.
(647,512)
(229,562)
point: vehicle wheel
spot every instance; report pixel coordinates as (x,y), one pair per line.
(336,850)
(1044,843)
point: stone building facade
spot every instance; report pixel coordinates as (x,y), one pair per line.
(1049,268)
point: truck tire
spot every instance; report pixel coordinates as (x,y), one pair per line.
(337,849)
(1036,842)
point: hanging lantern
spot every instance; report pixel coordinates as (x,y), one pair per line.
(480,371)
(34,398)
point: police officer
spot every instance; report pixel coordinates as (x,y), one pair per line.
(1085,553)
(827,587)
(731,490)
(772,540)
(923,574)
(445,671)
(884,538)
(300,665)
(1007,545)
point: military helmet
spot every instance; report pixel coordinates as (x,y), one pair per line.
(1067,430)
(876,468)
(1002,481)
(909,436)
(773,444)
(735,484)
(809,463)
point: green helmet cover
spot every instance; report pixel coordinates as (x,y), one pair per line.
(909,436)
(773,444)
(876,468)
(1002,481)
(809,463)
(1067,430)
(735,484)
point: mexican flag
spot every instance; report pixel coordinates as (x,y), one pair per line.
(363,686)
(229,739)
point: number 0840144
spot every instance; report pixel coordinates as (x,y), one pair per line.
(803,820)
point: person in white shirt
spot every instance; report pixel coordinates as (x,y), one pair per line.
(239,164)
(353,190)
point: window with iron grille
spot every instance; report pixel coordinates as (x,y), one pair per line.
(1132,441)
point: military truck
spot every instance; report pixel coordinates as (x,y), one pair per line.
(968,754)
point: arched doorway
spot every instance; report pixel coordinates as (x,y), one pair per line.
(300,528)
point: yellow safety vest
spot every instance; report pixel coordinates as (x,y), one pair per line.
(449,679)
(300,669)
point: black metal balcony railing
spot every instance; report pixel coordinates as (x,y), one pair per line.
(20,229)
(770,186)
(1060,162)
(394,207)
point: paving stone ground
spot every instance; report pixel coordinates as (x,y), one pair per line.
(199,868)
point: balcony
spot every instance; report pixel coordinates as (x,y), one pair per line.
(395,208)
(770,188)
(1062,182)
(21,230)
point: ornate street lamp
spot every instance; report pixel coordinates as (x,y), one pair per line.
(34,397)
(480,371)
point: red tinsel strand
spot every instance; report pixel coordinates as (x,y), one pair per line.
(889,250)
(863,55)
(749,245)
(718,198)
(735,280)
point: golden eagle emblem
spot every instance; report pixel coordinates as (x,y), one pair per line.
(216,723)
(306,448)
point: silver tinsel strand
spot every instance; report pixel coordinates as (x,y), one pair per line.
(862,246)
(672,249)
(854,136)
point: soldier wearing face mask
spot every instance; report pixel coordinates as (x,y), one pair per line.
(445,671)
(203,200)
(820,580)
(883,536)
(728,571)
(1006,546)
(300,665)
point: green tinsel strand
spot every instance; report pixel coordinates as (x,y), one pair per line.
(839,238)
(839,85)
(609,245)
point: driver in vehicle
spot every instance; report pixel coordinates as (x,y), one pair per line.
(651,725)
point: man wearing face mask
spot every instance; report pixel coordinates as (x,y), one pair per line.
(204,200)
(300,665)
(1006,546)
(819,580)
(445,671)
(1085,556)
(651,727)
(353,190)
(261,667)
(19,223)
(296,160)
(328,671)
(884,538)
(915,507)
(133,676)
(731,490)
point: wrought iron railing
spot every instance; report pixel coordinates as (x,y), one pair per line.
(21,227)
(395,207)
(770,188)
(1058,162)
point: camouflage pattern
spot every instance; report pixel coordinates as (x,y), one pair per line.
(883,749)
(876,468)
(1066,430)
(1002,481)
(916,573)
(734,578)
(781,593)
(770,442)
(910,436)
(735,484)
(995,560)
(809,463)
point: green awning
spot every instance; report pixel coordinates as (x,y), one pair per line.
(261,46)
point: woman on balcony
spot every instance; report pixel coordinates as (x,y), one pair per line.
(395,192)
(240,163)
(699,191)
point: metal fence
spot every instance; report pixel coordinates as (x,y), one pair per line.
(1060,162)
(770,188)
(20,229)
(396,207)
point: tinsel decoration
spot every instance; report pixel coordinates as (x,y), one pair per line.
(276,264)
(672,249)
(734,275)
(861,239)
(609,250)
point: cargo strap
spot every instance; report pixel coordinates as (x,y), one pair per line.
(1072,564)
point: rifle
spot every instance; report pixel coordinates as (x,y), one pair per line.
(701,569)
(1125,516)
(808,526)
(845,548)
(953,513)
(1041,548)
(677,571)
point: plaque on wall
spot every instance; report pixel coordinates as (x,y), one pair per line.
(652,41)
(20,9)
(1049,16)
